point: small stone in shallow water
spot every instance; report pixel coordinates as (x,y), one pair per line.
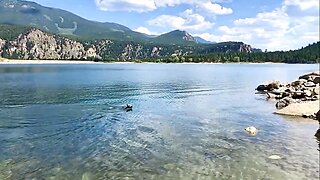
(87,176)
(274,157)
(251,130)
(128,107)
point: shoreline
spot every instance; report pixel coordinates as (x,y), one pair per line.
(298,98)
(13,61)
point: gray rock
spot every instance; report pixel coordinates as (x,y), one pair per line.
(306,76)
(261,88)
(273,85)
(318,135)
(298,82)
(2,43)
(281,104)
(298,95)
(36,44)
(308,93)
(318,116)
(316,80)
(284,102)
(309,84)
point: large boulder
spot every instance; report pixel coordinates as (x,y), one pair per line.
(269,86)
(318,135)
(261,88)
(318,116)
(307,108)
(307,76)
(273,85)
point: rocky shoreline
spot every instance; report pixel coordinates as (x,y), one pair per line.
(298,98)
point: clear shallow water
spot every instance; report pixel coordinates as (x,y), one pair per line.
(66,122)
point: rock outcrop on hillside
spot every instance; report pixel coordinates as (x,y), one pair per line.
(36,44)
(2,43)
(245,48)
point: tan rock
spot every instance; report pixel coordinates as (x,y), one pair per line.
(36,44)
(300,109)
(308,93)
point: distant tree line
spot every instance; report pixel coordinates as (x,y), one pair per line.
(308,54)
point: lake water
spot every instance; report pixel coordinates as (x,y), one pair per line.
(67,122)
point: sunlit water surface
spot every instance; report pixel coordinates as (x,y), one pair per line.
(67,122)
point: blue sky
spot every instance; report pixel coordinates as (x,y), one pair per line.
(265,24)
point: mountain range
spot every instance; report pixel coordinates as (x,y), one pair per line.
(31,31)
(57,21)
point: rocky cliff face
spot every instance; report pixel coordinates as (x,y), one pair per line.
(245,48)
(36,44)
(2,43)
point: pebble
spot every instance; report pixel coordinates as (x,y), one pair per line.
(274,157)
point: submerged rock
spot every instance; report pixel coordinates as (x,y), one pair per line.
(87,176)
(251,130)
(274,157)
(128,107)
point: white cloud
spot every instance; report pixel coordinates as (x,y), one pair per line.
(151,5)
(215,8)
(302,4)
(275,30)
(188,20)
(126,5)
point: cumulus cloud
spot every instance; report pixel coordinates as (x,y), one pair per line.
(126,5)
(302,4)
(275,30)
(215,8)
(188,20)
(145,30)
(151,5)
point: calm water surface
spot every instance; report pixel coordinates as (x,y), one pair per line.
(67,122)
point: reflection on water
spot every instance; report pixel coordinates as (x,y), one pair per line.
(67,122)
